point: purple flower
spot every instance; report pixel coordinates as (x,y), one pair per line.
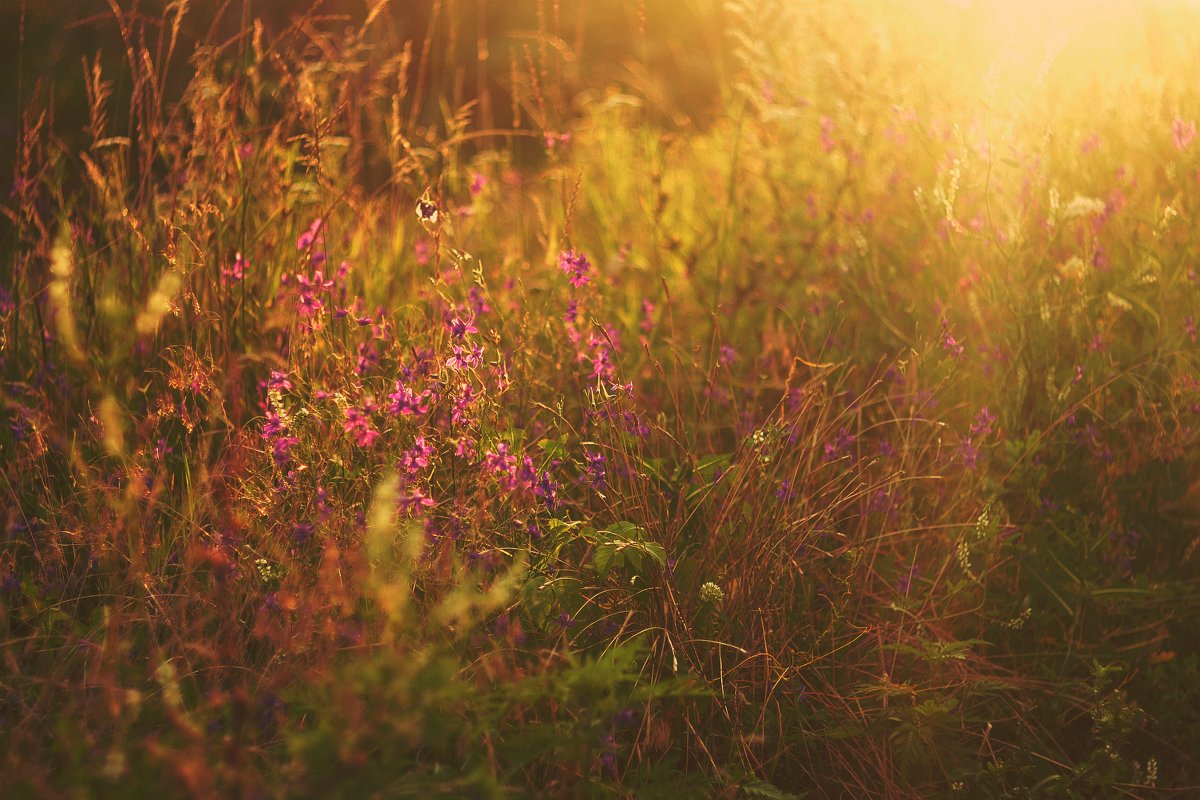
(982,426)
(576,267)
(423,252)
(416,457)
(306,239)
(465,447)
(273,427)
(502,464)
(281,448)
(526,475)
(310,305)
(463,358)
(647,323)
(840,444)
(601,357)
(302,532)
(234,272)
(1183,133)
(596,468)
(951,345)
(505,627)
(556,140)
(279,381)
(881,501)
(413,498)
(368,357)
(905,582)
(317,282)
(968,453)
(478,181)
(608,755)
(828,142)
(477,301)
(546,490)
(407,402)
(459,327)
(358,424)
(274,432)
(464,402)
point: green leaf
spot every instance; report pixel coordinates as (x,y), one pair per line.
(604,557)
(656,551)
(554,448)
(708,466)
(624,530)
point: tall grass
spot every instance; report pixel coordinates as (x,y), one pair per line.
(365,437)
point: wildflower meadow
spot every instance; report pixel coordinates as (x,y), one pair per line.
(746,399)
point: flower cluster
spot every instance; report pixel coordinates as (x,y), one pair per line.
(576,267)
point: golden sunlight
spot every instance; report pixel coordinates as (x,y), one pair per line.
(1002,54)
(576,399)
(1105,33)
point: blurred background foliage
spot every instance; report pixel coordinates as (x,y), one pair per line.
(667,50)
(969,55)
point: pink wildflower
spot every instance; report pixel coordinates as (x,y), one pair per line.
(358,424)
(236,271)
(576,267)
(422,250)
(1182,133)
(306,239)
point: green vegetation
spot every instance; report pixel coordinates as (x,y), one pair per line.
(769,401)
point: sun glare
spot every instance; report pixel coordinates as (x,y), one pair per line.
(1036,29)
(1001,53)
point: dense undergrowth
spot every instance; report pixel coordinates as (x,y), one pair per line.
(839,444)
